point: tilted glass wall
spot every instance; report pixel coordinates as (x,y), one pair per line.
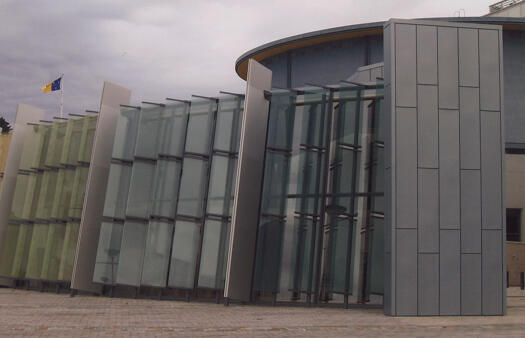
(168,201)
(322,196)
(47,204)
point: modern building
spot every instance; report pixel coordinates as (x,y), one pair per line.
(374,164)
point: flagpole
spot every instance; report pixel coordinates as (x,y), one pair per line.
(61,95)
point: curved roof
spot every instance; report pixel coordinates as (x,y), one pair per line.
(345,32)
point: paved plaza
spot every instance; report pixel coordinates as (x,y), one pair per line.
(32,313)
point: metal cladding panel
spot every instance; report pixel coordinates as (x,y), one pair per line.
(470,284)
(449,194)
(427,127)
(406,272)
(448,67)
(491,170)
(470,211)
(458,162)
(428,210)
(427,55)
(406,167)
(468,57)
(469,128)
(428,284)
(112,97)
(489,70)
(405,59)
(449,273)
(492,283)
(245,214)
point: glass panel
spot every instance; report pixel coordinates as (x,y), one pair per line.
(157,255)
(126,133)
(311,165)
(148,132)
(200,126)
(173,129)
(88,136)
(108,253)
(30,148)
(222,185)
(68,251)
(8,251)
(56,143)
(140,189)
(275,188)
(22,180)
(78,192)
(342,179)
(53,251)
(36,251)
(23,245)
(228,128)
(184,254)
(314,118)
(212,272)
(281,120)
(304,255)
(72,141)
(47,194)
(378,180)
(337,255)
(43,132)
(62,198)
(5,141)
(117,190)
(268,256)
(192,186)
(166,187)
(132,253)
(377,256)
(32,194)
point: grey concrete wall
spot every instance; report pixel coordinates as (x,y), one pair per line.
(112,97)
(444,169)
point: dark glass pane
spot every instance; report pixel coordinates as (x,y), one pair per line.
(514,225)
(53,251)
(304,258)
(338,247)
(200,126)
(268,256)
(173,129)
(148,131)
(376,251)
(139,196)
(228,129)
(275,187)
(68,251)
(281,120)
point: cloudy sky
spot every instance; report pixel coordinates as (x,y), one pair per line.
(162,48)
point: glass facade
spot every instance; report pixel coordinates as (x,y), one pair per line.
(169,196)
(47,204)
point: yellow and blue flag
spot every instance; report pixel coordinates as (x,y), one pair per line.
(52,86)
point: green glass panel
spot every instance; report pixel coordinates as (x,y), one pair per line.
(63,193)
(315,118)
(67,258)
(30,148)
(338,247)
(157,254)
(126,133)
(165,188)
(77,193)
(88,135)
(117,190)
(56,143)
(184,254)
(377,256)
(212,272)
(350,115)
(309,182)
(43,136)
(108,253)
(200,125)
(132,253)
(73,139)
(222,185)
(47,193)
(378,180)
(140,189)
(148,131)
(19,196)
(53,251)
(275,186)
(37,250)
(343,170)
(191,195)
(173,129)
(32,195)
(304,258)
(8,251)
(228,126)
